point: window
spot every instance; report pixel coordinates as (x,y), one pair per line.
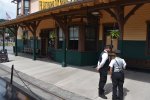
(19,7)
(73,37)
(26,7)
(60,38)
(90,38)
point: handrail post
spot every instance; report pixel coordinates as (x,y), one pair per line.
(12,69)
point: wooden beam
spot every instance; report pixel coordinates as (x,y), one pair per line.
(29,27)
(132,12)
(119,12)
(15,27)
(108,10)
(60,21)
(38,15)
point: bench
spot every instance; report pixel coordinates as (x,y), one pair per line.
(30,50)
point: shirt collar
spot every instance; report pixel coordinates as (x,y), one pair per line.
(117,57)
(105,51)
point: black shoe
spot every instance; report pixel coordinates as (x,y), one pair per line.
(103,96)
(116,98)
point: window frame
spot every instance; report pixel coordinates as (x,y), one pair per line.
(90,37)
(19,8)
(60,38)
(26,8)
(74,38)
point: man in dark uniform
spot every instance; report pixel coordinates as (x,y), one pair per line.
(117,65)
(102,67)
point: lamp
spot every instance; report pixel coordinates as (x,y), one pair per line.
(95,13)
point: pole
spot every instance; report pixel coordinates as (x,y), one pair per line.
(12,69)
(3,40)
(64,51)
(16,50)
(34,46)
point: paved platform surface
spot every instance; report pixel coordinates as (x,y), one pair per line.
(82,81)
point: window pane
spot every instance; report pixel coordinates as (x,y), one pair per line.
(26,4)
(26,11)
(19,4)
(90,37)
(60,34)
(73,37)
(19,11)
(76,33)
(71,33)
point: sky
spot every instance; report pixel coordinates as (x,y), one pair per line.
(7,6)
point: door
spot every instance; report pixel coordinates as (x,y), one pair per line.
(44,42)
(43,46)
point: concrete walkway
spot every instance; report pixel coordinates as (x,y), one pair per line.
(82,81)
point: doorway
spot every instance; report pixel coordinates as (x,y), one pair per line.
(44,42)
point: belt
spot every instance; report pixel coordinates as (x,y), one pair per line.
(118,71)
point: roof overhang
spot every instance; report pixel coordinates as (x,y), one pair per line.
(69,9)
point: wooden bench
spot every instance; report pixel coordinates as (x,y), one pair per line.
(30,50)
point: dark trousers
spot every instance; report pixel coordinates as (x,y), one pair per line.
(117,80)
(102,81)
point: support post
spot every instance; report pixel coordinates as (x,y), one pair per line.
(62,22)
(32,26)
(34,46)
(14,31)
(16,43)
(3,39)
(64,51)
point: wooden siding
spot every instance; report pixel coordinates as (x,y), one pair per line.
(34,6)
(135,28)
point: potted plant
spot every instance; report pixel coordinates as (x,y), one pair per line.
(114,33)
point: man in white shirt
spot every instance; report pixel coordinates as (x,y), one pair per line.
(117,65)
(102,67)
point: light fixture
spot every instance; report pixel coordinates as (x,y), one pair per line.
(95,13)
